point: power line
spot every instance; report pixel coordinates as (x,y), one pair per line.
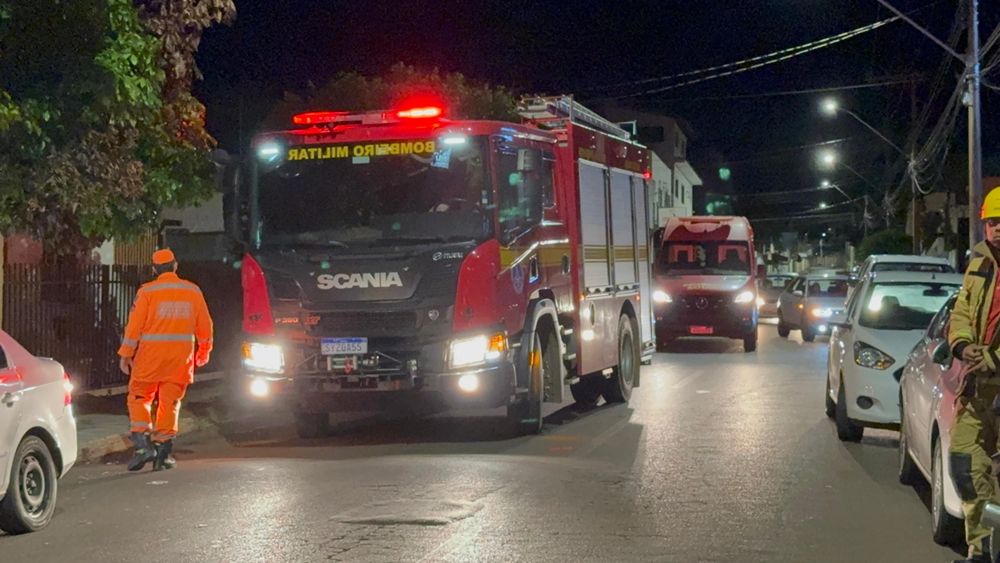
(794,92)
(749,63)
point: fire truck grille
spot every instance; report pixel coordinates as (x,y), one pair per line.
(696,303)
(366,323)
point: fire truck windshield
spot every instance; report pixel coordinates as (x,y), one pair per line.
(375,193)
(704,257)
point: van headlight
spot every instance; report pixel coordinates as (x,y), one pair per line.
(476,350)
(744,297)
(269,358)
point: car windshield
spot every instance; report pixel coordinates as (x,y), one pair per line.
(365,194)
(912,267)
(825,287)
(701,257)
(904,305)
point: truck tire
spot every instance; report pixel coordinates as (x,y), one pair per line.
(618,388)
(30,501)
(310,425)
(750,341)
(587,391)
(808,335)
(524,414)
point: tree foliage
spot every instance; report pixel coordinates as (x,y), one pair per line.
(464,99)
(889,241)
(98,127)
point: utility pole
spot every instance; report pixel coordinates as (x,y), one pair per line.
(971,101)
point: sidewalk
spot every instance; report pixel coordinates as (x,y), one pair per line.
(103,423)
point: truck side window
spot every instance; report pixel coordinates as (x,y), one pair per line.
(548,180)
(522,175)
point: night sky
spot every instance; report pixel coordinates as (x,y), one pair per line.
(587,47)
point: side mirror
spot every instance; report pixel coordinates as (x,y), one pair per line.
(840,321)
(942,354)
(798,293)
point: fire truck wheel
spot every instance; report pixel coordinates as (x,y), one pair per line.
(618,388)
(311,425)
(524,413)
(587,391)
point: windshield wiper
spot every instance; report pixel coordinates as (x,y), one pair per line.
(422,239)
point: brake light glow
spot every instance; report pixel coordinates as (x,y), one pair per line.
(428,112)
(317,117)
(67,390)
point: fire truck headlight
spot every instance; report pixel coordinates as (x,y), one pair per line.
(263,357)
(745,297)
(469,383)
(260,388)
(660,296)
(477,350)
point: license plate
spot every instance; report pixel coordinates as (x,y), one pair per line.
(343,346)
(702,330)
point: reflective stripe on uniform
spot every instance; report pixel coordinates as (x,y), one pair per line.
(183,337)
(130,342)
(159,286)
(138,424)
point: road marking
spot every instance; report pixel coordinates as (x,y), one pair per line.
(702,391)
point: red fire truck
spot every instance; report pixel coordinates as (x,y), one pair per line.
(398,255)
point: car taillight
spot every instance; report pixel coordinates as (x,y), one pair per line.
(67,390)
(257,317)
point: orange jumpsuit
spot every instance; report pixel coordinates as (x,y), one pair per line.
(169,316)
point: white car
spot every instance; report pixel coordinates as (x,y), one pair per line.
(927,401)
(901,263)
(886,315)
(37,436)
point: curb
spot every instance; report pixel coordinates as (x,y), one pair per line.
(96,450)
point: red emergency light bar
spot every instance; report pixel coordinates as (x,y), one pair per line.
(372,118)
(420,113)
(317,117)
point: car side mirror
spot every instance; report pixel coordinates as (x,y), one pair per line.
(840,321)
(798,293)
(942,354)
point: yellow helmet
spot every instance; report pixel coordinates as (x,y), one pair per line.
(991,204)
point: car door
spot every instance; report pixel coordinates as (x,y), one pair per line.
(918,386)
(793,309)
(11,406)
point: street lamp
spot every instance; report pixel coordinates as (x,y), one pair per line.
(829,106)
(825,184)
(828,158)
(822,205)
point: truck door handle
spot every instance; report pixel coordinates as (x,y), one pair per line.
(533,269)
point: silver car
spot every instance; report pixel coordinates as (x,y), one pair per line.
(808,303)
(927,390)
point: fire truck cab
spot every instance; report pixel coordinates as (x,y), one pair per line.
(398,255)
(705,284)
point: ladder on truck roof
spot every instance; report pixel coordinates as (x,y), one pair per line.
(552,112)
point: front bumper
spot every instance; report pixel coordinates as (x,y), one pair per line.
(690,316)
(878,386)
(325,383)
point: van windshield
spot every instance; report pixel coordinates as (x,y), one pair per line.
(704,257)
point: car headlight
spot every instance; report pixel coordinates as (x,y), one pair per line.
(744,297)
(868,356)
(476,350)
(822,313)
(660,296)
(760,301)
(263,357)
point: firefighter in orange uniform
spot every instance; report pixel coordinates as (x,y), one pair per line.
(159,352)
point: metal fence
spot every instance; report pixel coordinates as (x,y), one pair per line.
(75,314)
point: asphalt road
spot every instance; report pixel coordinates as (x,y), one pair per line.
(720,456)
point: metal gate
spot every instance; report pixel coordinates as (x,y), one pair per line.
(74,314)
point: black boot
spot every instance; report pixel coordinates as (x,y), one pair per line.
(983,557)
(163,458)
(143,451)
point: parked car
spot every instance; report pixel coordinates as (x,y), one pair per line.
(887,315)
(927,403)
(37,436)
(901,263)
(808,303)
(768,291)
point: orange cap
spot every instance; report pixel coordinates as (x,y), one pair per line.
(164,256)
